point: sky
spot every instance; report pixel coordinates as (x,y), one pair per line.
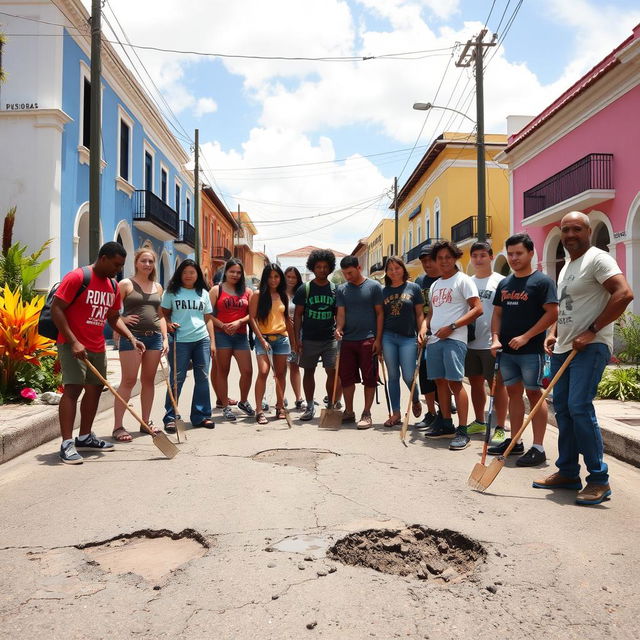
(310,148)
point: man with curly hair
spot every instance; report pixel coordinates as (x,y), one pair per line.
(314,325)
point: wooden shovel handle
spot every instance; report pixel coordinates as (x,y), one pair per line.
(117,395)
(166,379)
(405,423)
(335,375)
(538,404)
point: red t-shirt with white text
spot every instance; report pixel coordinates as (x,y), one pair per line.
(88,314)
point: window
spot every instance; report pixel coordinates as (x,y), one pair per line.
(86,112)
(419,234)
(163,184)
(436,211)
(148,171)
(188,209)
(177,202)
(125,150)
(410,245)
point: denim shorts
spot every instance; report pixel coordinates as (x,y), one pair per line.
(279,345)
(522,367)
(236,341)
(445,360)
(152,342)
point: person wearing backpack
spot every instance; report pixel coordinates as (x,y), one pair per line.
(314,325)
(80,319)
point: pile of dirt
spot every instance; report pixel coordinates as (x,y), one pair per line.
(416,551)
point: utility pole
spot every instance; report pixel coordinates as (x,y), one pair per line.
(95,125)
(476,55)
(196,195)
(395,205)
(236,250)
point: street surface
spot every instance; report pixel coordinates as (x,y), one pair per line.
(555,570)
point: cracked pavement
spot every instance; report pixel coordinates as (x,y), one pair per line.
(558,570)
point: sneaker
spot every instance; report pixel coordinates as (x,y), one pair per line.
(557,481)
(476,427)
(532,458)
(499,450)
(286,404)
(69,455)
(338,406)
(94,443)
(326,401)
(309,412)
(246,408)
(499,436)
(265,405)
(461,440)
(440,428)
(365,421)
(227,414)
(301,405)
(427,421)
(594,494)
(348,418)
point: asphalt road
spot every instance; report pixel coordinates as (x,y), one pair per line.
(555,570)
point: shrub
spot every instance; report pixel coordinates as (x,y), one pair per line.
(627,329)
(620,384)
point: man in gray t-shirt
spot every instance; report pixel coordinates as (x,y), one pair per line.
(359,322)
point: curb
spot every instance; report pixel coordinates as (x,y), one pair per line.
(29,429)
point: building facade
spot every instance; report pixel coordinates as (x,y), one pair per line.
(146,192)
(298,259)
(581,153)
(361,252)
(380,247)
(217,228)
(439,200)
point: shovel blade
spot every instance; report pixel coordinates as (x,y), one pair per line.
(405,427)
(490,473)
(330,419)
(476,474)
(287,417)
(165,445)
(181,429)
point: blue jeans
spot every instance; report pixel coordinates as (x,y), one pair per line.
(400,354)
(579,432)
(200,355)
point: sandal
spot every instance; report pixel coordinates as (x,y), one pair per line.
(121,435)
(348,417)
(393,422)
(281,414)
(230,402)
(152,431)
(417,409)
(261,418)
(207,423)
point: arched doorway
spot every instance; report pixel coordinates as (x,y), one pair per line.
(501,265)
(124,237)
(560,259)
(82,235)
(600,237)
(164,271)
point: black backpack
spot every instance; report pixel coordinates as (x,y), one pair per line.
(46,326)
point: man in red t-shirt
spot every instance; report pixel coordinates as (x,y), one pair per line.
(80,322)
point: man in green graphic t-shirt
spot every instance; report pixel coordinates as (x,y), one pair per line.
(315,317)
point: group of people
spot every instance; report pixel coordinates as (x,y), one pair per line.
(445,326)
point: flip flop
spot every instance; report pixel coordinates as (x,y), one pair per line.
(121,435)
(393,422)
(261,418)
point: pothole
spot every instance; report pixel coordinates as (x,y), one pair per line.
(415,551)
(302,458)
(151,554)
(309,544)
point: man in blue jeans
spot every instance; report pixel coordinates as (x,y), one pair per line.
(593,295)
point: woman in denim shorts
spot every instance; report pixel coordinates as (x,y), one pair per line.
(273,329)
(230,302)
(141,296)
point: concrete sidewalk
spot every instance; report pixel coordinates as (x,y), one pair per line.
(24,427)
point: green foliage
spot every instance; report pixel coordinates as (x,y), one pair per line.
(17,270)
(337,277)
(627,329)
(620,384)
(42,378)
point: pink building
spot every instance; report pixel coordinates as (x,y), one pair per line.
(582,153)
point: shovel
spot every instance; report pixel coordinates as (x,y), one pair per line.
(331,418)
(275,380)
(181,427)
(386,388)
(159,439)
(479,468)
(405,422)
(495,467)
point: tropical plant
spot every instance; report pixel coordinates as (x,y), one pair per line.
(627,329)
(21,346)
(620,383)
(18,270)
(3,40)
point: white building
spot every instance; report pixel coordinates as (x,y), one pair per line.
(298,258)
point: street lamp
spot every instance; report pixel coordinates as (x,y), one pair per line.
(480,168)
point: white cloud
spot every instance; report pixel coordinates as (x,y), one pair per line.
(205,105)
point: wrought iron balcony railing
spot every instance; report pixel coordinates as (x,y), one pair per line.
(414,252)
(594,171)
(220,253)
(467,229)
(147,207)
(187,234)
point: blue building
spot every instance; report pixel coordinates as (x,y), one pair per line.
(146,191)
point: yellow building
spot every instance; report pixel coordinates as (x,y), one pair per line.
(439,200)
(380,247)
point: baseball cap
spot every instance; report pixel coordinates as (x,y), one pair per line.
(426,251)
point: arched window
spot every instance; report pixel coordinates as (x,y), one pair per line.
(418,233)
(600,237)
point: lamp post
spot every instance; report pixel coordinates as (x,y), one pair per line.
(480,166)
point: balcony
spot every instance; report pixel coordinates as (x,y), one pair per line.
(244,239)
(186,242)
(153,216)
(378,266)
(466,231)
(414,253)
(220,253)
(582,185)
